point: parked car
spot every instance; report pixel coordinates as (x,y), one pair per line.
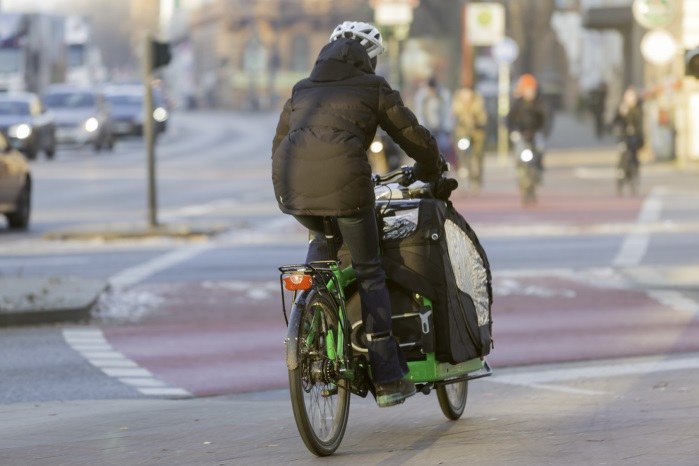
(15,186)
(82,116)
(126,103)
(23,118)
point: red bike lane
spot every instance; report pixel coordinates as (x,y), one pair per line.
(214,338)
(211,340)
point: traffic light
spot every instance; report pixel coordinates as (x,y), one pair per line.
(691,62)
(161,54)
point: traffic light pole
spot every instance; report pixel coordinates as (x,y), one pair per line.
(148,128)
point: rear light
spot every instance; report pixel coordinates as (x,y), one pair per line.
(297,281)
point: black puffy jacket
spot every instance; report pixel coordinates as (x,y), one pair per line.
(319,158)
(527,116)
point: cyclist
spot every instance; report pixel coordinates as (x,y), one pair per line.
(527,117)
(628,127)
(320,168)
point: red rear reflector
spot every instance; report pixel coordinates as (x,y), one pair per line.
(297,281)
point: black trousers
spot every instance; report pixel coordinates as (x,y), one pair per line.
(361,236)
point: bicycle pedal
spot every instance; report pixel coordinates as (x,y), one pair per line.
(326,392)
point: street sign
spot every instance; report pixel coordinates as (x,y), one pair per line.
(653,14)
(506,51)
(393,12)
(485,23)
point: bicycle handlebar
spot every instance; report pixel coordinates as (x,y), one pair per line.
(404,176)
(441,188)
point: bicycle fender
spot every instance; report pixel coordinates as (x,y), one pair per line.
(292,341)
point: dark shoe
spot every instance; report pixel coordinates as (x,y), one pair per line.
(393,393)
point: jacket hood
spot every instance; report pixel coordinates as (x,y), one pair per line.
(341,59)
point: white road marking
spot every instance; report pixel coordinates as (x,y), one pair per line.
(165,391)
(636,244)
(82,347)
(512,287)
(108,363)
(540,379)
(143,383)
(676,300)
(133,275)
(102,355)
(87,341)
(128,372)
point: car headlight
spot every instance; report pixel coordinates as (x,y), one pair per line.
(21,131)
(376,147)
(463,144)
(91,125)
(160,114)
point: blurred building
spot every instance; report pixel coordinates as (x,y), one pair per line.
(610,49)
(671,100)
(249,53)
(541,51)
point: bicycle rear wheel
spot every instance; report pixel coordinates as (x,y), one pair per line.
(319,398)
(452,399)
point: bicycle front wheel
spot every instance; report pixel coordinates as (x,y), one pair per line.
(319,398)
(452,399)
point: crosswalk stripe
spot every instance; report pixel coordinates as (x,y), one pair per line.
(112,363)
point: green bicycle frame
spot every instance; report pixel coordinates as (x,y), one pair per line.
(336,350)
(334,344)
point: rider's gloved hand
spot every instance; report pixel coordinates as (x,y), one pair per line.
(442,188)
(426,173)
(430,173)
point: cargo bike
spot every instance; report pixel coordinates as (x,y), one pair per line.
(439,281)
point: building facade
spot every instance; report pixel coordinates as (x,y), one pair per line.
(249,54)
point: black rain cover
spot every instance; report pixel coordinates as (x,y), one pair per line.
(430,249)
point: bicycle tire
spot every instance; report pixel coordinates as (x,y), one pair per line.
(452,399)
(313,407)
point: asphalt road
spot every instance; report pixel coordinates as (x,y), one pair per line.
(583,416)
(583,276)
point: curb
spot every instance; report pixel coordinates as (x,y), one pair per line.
(47,300)
(58,299)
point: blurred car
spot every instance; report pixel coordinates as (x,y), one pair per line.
(82,116)
(15,186)
(23,118)
(126,103)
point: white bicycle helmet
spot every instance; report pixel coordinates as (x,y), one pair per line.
(365,33)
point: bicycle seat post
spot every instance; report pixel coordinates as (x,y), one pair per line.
(329,231)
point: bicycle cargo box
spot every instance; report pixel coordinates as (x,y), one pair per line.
(430,249)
